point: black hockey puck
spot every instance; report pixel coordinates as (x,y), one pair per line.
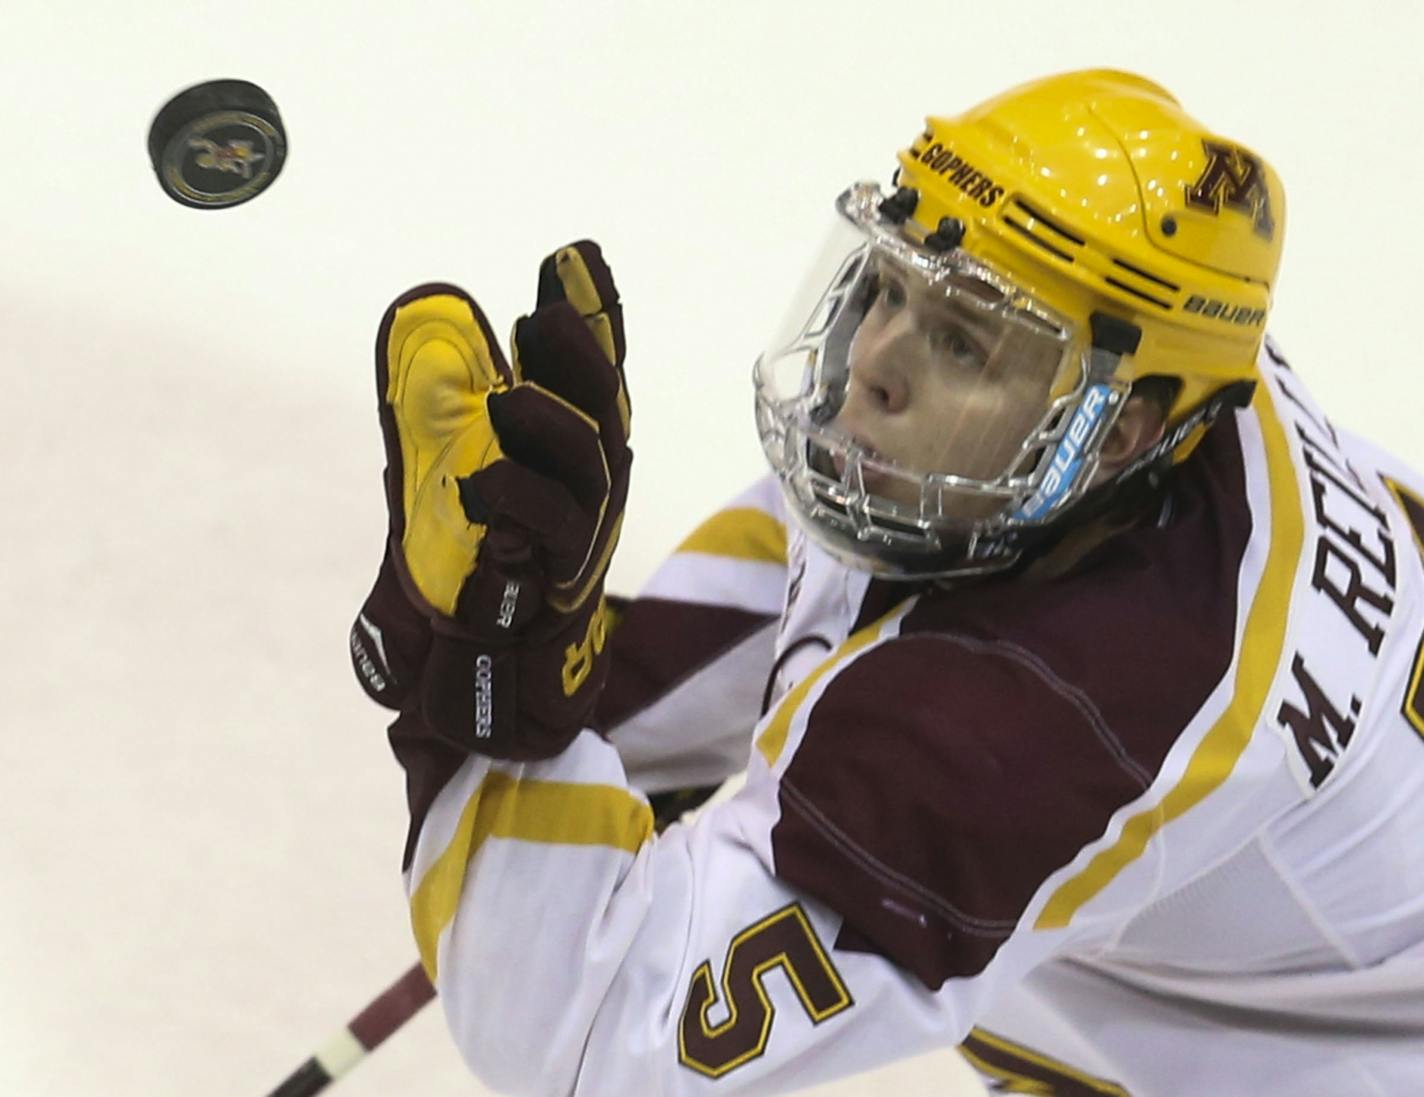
(217,144)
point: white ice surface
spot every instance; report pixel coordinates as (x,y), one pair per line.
(202,826)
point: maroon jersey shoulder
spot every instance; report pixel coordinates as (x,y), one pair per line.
(947,772)
(659,643)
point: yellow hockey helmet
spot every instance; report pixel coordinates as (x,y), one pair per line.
(1044,252)
(1096,191)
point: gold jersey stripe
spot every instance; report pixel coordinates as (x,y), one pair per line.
(1411,504)
(1413,508)
(551,812)
(1222,746)
(1037,1072)
(773,740)
(741,533)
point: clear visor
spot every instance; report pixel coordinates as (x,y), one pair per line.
(912,393)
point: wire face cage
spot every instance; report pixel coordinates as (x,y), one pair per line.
(1013,403)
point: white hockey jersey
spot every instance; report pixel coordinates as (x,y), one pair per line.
(1150,827)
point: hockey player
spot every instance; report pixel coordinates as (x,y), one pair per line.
(1072,654)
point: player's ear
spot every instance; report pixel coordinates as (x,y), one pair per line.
(1140,424)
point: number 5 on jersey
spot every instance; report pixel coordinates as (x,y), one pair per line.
(785,940)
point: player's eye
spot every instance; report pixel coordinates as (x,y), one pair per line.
(892,294)
(950,342)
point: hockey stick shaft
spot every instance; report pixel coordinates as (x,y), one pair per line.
(392,1008)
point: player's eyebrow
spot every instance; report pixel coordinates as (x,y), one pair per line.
(968,317)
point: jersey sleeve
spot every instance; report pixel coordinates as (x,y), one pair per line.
(857,902)
(691,652)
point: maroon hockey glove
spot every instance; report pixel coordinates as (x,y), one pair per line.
(506,491)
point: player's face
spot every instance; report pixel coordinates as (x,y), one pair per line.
(938,387)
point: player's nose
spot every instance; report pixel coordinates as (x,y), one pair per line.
(878,372)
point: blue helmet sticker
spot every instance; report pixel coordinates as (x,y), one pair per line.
(1067,462)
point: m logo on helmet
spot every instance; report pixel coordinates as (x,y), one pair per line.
(1237,179)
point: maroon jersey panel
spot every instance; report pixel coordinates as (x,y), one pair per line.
(945,774)
(658,644)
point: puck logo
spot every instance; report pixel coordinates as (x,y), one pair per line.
(222,159)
